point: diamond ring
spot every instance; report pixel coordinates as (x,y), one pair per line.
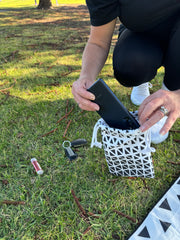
(164,110)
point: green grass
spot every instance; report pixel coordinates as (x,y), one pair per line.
(31,3)
(40,58)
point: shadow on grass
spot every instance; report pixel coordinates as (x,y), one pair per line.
(14,9)
(57,29)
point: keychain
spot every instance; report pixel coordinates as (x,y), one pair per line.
(67,145)
(68,151)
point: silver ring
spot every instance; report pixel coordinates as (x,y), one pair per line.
(164,110)
(66,144)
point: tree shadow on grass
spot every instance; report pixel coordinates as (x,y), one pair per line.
(59,29)
(68,20)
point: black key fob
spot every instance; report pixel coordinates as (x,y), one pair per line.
(68,151)
(78,143)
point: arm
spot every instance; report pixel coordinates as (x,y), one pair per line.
(93,60)
(149,109)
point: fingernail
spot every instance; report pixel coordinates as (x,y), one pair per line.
(142,128)
(162,133)
(92,97)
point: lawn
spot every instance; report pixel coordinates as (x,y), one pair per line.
(30,3)
(40,58)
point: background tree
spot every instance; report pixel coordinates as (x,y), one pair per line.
(44,4)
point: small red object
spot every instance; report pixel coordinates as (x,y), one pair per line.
(37,166)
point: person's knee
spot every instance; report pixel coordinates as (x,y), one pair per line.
(136,59)
(130,71)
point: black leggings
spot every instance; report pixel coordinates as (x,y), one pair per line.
(137,56)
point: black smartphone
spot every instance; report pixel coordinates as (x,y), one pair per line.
(114,113)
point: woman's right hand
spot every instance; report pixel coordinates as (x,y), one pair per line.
(82,96)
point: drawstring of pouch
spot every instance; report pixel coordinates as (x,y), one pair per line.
(147,134)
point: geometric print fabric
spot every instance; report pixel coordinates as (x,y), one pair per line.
(163,222)
(127,152)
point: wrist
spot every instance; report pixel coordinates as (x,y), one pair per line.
(88,76)
(86,79)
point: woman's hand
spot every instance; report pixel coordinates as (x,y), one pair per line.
(82,96)
(150,113)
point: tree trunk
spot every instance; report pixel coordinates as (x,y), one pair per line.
(44,4)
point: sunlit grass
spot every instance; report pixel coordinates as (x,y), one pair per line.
(31,3)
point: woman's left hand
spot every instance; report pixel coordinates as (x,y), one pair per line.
(150,113)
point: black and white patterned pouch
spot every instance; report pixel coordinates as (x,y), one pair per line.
(127,152)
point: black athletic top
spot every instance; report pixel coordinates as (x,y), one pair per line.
(137,15)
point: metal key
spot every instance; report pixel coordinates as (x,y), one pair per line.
(68,151)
